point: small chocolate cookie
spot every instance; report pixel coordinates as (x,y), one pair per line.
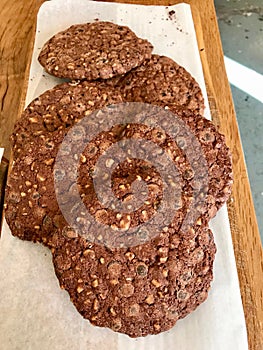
(138,291)
(161,81)
(94,50)
(60,108)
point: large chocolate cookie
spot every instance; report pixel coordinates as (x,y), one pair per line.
(94,50)
(35,168)
(138,291)
(32,211)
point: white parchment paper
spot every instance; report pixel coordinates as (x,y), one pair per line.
(34,312)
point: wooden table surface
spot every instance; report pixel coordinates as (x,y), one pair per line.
(17,28)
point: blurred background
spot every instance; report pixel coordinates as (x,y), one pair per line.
(241,28)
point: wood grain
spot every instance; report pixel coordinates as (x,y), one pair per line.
(17,29)
(244,229)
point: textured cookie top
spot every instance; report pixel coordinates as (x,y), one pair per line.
(64,105)
(60,108)
(138,291)
(93,50)
(161,81)
(218,160)
(32,211)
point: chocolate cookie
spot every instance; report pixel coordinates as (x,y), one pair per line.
(94,50)
(32,210)
(138,291)
(161,81)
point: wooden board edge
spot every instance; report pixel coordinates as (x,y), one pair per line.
(243,223)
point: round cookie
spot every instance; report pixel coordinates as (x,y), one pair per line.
(161,81)
(32,211)
(138,291)
(60,108)
(94,50)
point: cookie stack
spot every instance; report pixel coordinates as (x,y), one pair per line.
(139,288)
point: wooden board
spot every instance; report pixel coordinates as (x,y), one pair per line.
(17,29)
